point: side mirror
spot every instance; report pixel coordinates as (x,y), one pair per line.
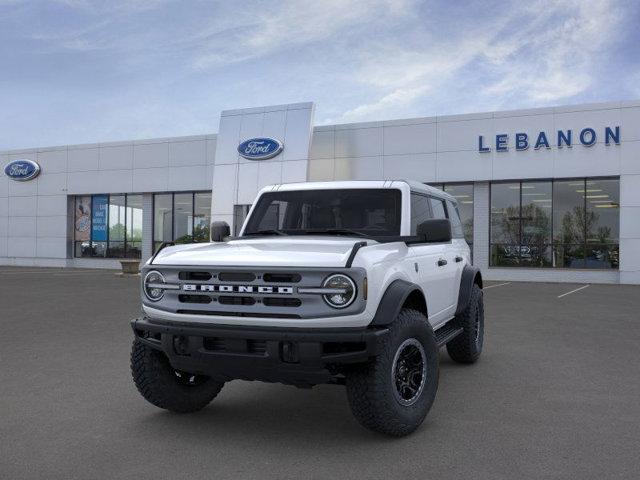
(219,231)
(436,230)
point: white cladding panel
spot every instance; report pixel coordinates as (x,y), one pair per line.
(237,180)
(454,141)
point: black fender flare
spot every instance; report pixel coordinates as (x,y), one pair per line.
(392,301)
(469,275)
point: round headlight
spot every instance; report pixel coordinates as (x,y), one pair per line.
(150,287)
(345,291)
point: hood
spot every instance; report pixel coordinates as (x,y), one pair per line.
(286,251)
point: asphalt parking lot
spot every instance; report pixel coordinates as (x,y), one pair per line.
(555,395)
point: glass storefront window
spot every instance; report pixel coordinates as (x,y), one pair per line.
(535,243)
(162,219)
(108,226)
(134,226)
(569,223)
(117,220)
(505,224)
(82,226)
(183,217)
(603,223)
(201,216)
(463,193)
(563,224)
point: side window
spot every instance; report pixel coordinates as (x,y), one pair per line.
(456,224)
(420,211)
(437,206)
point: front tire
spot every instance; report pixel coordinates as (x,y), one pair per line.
(165,387)
(467,347)
(393,393)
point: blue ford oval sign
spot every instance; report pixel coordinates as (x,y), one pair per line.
(260,148)
(22,170)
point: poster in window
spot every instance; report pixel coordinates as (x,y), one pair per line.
(99,217)
(83,219)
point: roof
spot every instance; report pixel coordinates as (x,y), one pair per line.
(342,184)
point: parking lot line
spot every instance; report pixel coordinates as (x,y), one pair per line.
(496,285)
(573,291)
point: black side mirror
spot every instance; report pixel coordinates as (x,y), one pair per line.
(219,231)
(436,230)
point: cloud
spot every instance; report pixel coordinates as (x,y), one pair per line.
(125,69)
(541,53)
(555,63)
(257,32)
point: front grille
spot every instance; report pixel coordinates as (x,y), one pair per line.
(282,277)
(214,344)
(282,302)
(195,276)
(268,292)
(259,347)
(236,276)
(194,299)
(234,345)
(227,300)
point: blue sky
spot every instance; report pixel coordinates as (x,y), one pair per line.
(76,71)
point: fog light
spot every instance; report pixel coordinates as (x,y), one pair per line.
(181,345)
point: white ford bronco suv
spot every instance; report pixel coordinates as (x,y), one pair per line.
(352,283)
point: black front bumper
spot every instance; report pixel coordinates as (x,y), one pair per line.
(300,357)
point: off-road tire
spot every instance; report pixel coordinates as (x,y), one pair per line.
(370,387)
(158,383)
(467,347)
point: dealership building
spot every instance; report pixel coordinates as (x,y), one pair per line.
(547,194)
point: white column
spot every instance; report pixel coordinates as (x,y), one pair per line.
(630,229)
(147,227)
(236,180)
(481,217)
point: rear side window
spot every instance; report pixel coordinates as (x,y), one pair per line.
(420,211)
(454,217)
(437,208)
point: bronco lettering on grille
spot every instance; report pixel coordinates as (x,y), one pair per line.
(192,287)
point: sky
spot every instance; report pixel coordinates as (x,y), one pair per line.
(80,71)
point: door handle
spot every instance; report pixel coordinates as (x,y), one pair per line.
(442,262)
(458,258)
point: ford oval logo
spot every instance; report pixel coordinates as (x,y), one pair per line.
(260,148)
(22,170)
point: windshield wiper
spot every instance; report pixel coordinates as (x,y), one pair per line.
(338,231)
(264,232)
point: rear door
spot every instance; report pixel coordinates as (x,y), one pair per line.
(425,257)
(462,253)
(448,271)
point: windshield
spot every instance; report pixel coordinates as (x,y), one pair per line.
(360,212)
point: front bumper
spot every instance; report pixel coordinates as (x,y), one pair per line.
(301,357)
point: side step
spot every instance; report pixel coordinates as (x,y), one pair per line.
(447,333)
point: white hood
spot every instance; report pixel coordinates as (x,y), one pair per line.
(272,251)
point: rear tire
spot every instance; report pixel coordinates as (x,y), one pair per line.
(165,387)
(394,392)
(467,347)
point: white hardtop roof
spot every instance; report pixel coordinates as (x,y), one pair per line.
(413,185)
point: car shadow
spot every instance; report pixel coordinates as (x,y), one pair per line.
(271,413)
